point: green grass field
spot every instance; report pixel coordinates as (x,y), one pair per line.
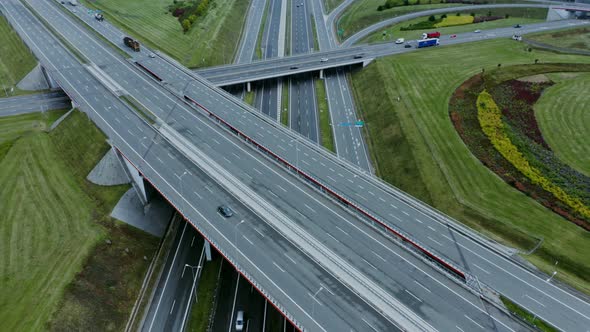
(330,5)
(394,32)
(53,220)
(571,38)
(212,40)
(362,14)
(416,132)
(564,119)
(16,61)
(46,230)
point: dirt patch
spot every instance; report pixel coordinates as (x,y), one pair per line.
(540,78)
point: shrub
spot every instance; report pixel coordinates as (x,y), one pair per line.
(192,18)
(432,18)
(178,12)
(186,25)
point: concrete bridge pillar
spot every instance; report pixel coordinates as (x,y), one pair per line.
(208,251)
(248,87)
(135,177)
(321,74)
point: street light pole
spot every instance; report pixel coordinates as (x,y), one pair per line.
(194,274)
(181,192)
(314,300)
(554,272)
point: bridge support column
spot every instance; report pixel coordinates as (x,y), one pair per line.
(207,251)
(248,87)
(321,74)
(135,177)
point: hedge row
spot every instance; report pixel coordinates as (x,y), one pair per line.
(490,120)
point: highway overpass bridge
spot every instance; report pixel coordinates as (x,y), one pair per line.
(358,55)
(330,258)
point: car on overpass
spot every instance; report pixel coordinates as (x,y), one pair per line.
(225,211)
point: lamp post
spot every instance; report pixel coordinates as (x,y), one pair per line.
(194,274)
(314,300)
(181,192)
(554,272)
(236,234)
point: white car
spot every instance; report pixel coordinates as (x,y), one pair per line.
(477,31)
(400,41)
(240,321)
(323,59)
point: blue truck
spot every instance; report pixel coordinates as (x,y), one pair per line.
(427,42)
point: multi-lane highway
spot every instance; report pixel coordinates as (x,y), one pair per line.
(303,113)
(316,219)
(39,102)
(261,261)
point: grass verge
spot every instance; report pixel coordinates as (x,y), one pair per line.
(570,38)
(212,40)
(16,60)
(200,312)
(330,5)
(417,131)
(563,117)
(327,136)
(249,97)
(139,108)
(285,103)
(263,22)
(518,311)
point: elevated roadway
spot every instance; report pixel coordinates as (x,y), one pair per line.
(260,70)
(371,198)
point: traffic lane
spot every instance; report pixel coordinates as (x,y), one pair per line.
(184,294)
(225,303)
(339,232)
(253,23)
(102,122)
(303,114)
(249,301)
(33,107)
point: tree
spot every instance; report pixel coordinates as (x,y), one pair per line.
(192,18)
(432,18)
(406,2)
(443,16)
(186,25)
(458,14)
(380,8)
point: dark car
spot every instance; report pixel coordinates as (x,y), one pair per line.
(518,26)
(358,56)
(407,46)
(294,67)
(225,211)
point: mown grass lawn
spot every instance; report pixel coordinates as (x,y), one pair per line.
(563,114)
(415,147)
(570,38)
(51,229)
(330,5)
(212,40)
(16,61)
(45,228)
(393,32)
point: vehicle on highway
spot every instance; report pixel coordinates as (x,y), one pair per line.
(477,31)
(358,56)
(134,44)
(517,37)
(240,320)
(73,2)
(428,35)
(453,36)
(293,67)
(99,17)
(427,42)
(408,45)
(400,41)
(225,211)
(324,59)
(518,26)
(152,55)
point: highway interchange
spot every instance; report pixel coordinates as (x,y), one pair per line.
(231,153)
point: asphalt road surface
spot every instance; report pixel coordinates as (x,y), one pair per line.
(566,311)
(169,307)
(39,102)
